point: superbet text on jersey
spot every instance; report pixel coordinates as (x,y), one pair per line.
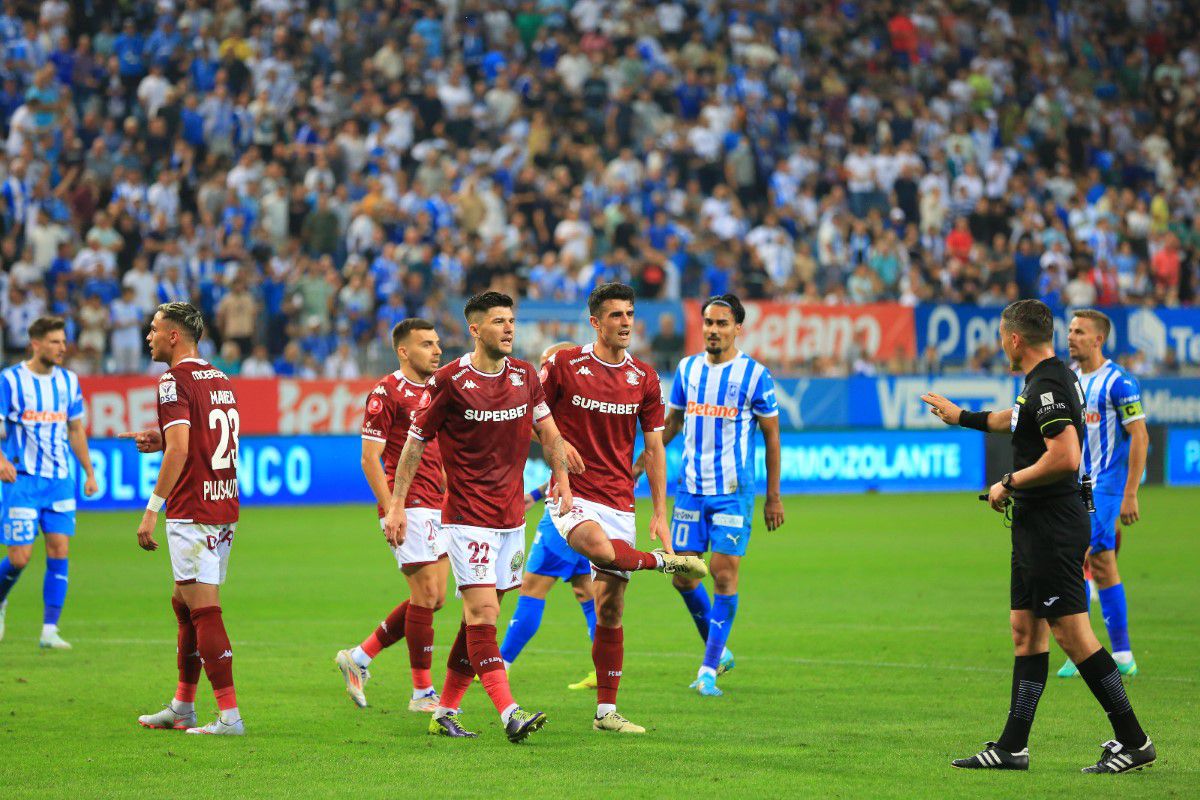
(483,424)
(390,409)
(597,406)
(195,394)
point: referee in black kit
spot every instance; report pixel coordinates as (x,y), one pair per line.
(1050,535)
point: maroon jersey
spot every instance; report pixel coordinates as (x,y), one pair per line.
(597,407)
(195,394)
(483,423)
(390,409)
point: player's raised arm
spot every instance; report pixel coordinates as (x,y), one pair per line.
(773,504)
(951,414)
(175,452)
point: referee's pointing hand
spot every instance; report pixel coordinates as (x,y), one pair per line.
(942,408)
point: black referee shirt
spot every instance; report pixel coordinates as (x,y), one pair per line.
(1051,401)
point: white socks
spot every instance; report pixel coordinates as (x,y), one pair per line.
(360,657)
(419,693)
(230,715)
(49,630)
(1123,656)
(706,671)
(181,708)
(658,557)
(507,713)
(605,708)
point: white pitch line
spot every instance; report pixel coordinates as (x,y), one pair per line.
(814,662)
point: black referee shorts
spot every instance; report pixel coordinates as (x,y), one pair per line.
(1049,540)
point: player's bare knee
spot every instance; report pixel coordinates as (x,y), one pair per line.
(18,556)
(609,613)
(582,593)
(57,547)
(684,584)
(1104,568)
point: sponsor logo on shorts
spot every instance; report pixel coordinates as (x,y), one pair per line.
(729,520)
(214,540)
(684,515)
(1050,602)
(63,506)
(518,560)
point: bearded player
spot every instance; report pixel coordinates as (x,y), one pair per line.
(550,559)
(390,408)
(600,394)
(717,399)
(198,426)
(481,409)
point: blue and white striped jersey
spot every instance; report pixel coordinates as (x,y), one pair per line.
(36,410)
(721,404)
(1113,399)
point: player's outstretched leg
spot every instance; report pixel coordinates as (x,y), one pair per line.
(459,674)
(353,663)
(216,654)
(180,713)
(590,540)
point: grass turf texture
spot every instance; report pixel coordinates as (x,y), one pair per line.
(871,641)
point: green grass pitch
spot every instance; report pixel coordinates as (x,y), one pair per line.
(871,642)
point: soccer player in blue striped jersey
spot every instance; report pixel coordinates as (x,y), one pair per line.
(42,410)
(1114,454)
(718,399)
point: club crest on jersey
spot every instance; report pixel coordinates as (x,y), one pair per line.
(374,404)
(632,378)
(516,379)
(168,392)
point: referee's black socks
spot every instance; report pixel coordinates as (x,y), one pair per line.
(1028,683)
(1100,672)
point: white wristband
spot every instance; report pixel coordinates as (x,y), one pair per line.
(155,503)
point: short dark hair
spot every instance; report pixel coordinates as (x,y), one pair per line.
(44,325)
(1103,323)
(186,317)
(731,302)
(608,291)
(481,302)
(1032,319)
(406,326)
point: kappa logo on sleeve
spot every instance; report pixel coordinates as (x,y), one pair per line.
(1047,399)
(168,392)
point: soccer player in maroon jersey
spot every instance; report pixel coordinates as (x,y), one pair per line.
(198,426)
(599,394)
(390,408)
(481,408)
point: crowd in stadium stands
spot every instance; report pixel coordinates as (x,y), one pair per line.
(309,172)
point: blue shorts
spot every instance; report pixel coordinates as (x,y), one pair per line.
(1104,521)
(550,555)
(35,501)
(719,521)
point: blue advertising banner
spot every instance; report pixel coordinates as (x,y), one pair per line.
(272,470)
(957,331)
(894,401)
(851,461)
(1183,457)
